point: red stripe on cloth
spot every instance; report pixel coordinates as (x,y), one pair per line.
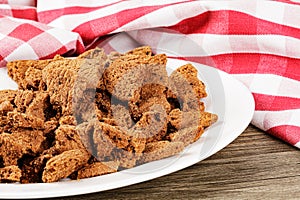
(22,12)
(1,58)
(50,15)
(232,22)
(101,26)
(234,63)
(26,32)
(275,103)
(290,134)
(29,13)
(288,2)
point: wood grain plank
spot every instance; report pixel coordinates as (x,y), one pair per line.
(254,166)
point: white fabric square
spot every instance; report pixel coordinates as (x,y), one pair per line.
(23,52)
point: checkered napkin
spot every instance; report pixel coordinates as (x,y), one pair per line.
(255,41)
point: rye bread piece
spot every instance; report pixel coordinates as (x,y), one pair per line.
(186,135)
(118,137)
(20,142)
(85,131)
(31,109)
(110,58)
(143,50)
(179,119)
(160,149)
(138,109)
(5,107)
(59,77)
(67,138)
(10,149)
(23,99)
(207,119)
(68,120)
(10,174)
(32,171)
(152,125)
(126,159)
(94,53)
(63,165)
(7,95)
(33,103)
(97,169)
(145,97)
(121,117)
(28,73)
(131,71)
(32,141)
(103,102)
(103,144)
(67,81)
(110,141)
(17,119)
(184,76)
(131,141)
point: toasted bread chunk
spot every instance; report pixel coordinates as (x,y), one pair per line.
(129,72)
(5,107)
(152,125)
(24,121)
(27,73)
(93,53)
(67,138)
(21,141)
(62,165)
(161,149)
(67,80)
(120,138)
(39,105)
(10,174)
(137,110)
(30,140)
(10,149)
(187,135)
(122,117)
(97,169)
(85,131)
(207,119)
(7,95)
(188,74)
(179,119)
(60,87)
(67,120)
(32,171)
(143,50)
(103,144)
(125,158)
(103,102)
(32,103)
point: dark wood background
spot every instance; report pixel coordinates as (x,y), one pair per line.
(254,166)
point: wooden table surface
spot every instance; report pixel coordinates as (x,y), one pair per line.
(254,166)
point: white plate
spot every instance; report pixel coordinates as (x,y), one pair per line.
(228,98)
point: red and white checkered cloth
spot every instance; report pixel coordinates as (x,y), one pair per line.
(256,41)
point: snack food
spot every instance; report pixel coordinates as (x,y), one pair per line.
(96,114)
